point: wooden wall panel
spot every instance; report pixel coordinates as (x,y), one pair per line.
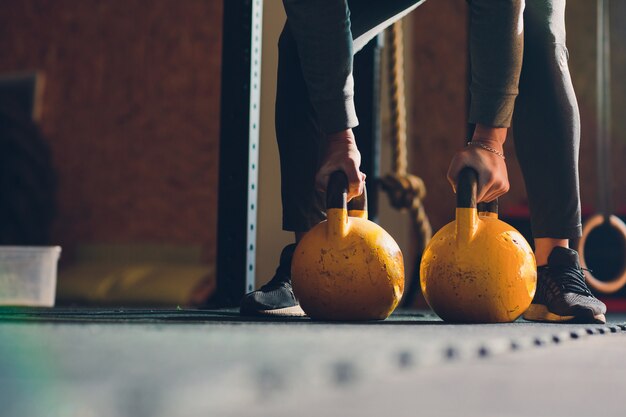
(131,110)
(581,41)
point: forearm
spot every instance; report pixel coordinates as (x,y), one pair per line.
(321,29)
(496,47)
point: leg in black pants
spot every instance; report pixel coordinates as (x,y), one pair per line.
(300,140)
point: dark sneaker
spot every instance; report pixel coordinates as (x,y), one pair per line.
(276,297)
(562,294)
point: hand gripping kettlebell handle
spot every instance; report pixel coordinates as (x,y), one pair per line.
(357,207)
(467,186)
(337,192)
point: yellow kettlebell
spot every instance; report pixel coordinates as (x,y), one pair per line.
(477,269)
(347,267)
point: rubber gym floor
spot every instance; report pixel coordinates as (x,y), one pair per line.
(68,362)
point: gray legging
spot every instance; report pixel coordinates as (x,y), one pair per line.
(546,124)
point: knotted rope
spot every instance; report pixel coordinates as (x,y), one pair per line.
(405,191)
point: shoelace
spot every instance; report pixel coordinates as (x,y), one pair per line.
(571,279)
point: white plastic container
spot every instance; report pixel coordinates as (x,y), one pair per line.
(28,275)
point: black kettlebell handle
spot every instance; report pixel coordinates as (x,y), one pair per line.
(467,186)
(490,207)
(337,194)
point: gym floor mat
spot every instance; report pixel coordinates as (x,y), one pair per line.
(121,362)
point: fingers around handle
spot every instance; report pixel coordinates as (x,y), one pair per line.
(337,190)
(359,202)
(490,207)
(467,184)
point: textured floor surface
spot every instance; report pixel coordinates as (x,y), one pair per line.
(215,363)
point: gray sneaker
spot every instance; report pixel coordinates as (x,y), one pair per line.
(275,298)
(562,294)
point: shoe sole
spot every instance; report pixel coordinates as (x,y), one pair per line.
(538,312)
(293,311)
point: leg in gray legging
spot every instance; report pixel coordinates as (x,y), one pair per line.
(546,124)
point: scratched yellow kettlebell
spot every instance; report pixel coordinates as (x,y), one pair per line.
(477,269)
(347,267)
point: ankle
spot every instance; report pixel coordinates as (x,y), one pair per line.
(544,247)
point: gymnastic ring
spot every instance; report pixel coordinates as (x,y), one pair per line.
(592,223)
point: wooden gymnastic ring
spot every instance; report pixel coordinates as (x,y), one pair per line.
(592,223)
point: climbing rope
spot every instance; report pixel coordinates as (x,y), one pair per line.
(405,191)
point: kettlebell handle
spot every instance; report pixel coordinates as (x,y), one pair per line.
(337,194)
(337,191)
(490,207)
(467,184)
(337,209)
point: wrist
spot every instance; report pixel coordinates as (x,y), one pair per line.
(491,136)
(343,136)
(487,143)
(487,147)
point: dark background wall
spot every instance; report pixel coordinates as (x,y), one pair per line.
(131,111)
(581,38)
